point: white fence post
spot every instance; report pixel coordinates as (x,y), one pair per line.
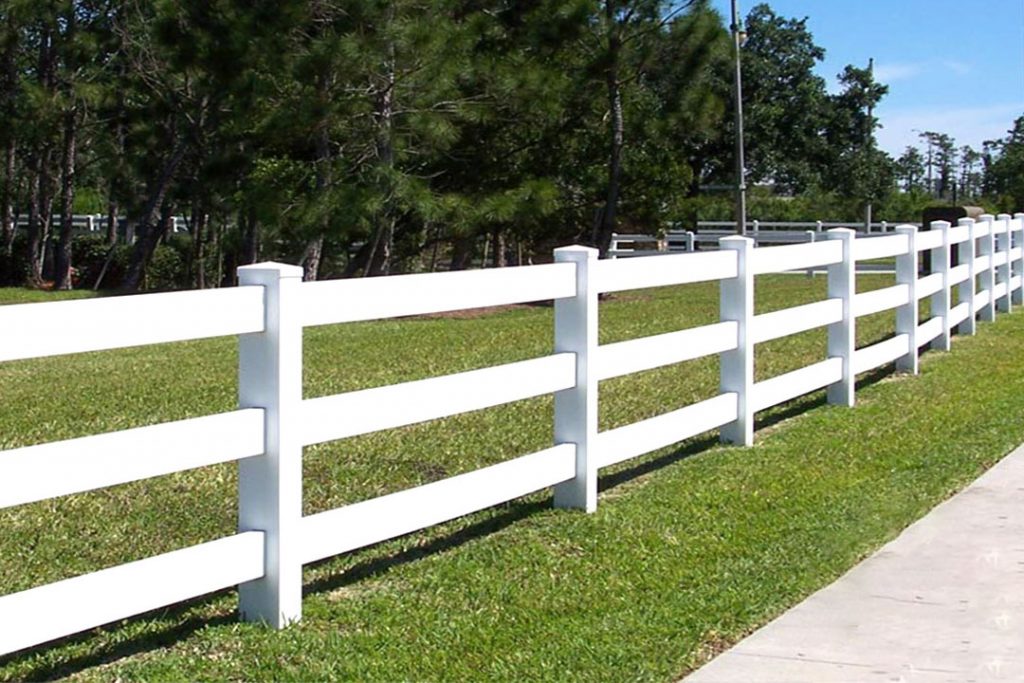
(966,253)
(988,277)
(736,367)
(940,303)
(842,284)
(811,237)
(906,315)
(1005,269)
(270,485)
(1018,269)
(689,242)
(576,408)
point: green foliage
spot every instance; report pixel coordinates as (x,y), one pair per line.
(315,132)
(1006,171)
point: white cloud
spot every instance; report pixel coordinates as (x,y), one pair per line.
(897,71)
(959,68)
(967,125)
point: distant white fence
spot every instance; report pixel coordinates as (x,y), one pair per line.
(709,232)
(273,422)
(94,223)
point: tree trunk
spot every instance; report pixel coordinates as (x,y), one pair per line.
(250,236)
(7,197)
(63,263)
(313,254)
(116,173)
(34,228)
(359,261)
(147,223)
(311,258)
(197,265)
(47,193)
(606,226)
(40,208)
(384,230)
(217,243)
(9,74)
(498,257)
(111,219)
(462,252)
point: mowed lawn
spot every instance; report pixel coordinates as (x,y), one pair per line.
(691,547)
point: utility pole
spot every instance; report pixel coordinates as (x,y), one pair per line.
(738,36)
(868,138)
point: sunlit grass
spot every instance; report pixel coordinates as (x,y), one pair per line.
(691,546)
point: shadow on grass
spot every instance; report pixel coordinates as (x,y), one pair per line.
(374,567)
(180,627)
(173,633)
(690,448)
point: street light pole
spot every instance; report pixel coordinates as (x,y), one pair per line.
(741,182)
(868,138)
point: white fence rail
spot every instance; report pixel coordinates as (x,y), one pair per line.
(91,223)
(266,434)
(707,238)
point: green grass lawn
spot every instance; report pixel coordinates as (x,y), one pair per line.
(691,547)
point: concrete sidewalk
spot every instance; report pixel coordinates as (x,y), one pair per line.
(943,602)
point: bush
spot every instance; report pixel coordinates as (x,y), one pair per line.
(166,269)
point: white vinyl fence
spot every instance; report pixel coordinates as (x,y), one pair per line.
(708,233)
(273,422)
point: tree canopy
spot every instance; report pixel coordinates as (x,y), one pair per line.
(366,137)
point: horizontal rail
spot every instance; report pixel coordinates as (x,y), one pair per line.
(928,239)
(959,313)
(768,326)
(999,290)
(797,256)
(928,330)
(878,300)
(981,229)
(779,389)
(999,227)
(981,263)
(361,524)
(351,300)
(614,275)
(58,327)
(41,614)
(630,253)
(959,274)
(879,247)
(1015,253)
(959,233)
(633,237)
(75,465)
(620,444)
(646,353)
(370,410)
(999,258)
(877,355)
(1015,282)
(982,299)
(928,285)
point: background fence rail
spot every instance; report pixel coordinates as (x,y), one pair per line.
(267,433)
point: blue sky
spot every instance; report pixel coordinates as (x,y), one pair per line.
(952,66)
